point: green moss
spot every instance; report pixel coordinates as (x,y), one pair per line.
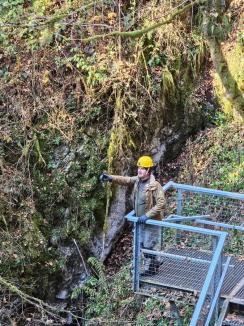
(229,84)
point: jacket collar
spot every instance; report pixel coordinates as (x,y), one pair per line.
(152,183)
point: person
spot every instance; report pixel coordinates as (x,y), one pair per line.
(148,203)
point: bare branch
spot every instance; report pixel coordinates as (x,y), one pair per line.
(38,303)
(140,32)
(49,20)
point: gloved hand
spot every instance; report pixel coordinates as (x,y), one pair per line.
(104,177)
(142,219)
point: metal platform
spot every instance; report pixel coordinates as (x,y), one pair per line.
(192,238)
(189,275)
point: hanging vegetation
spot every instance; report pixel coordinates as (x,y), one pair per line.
(86,87)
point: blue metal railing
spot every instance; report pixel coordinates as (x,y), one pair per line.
(193,200)
(202,219)
(215,264)
(202,190)
(217,294)
(214,274)
(224,206)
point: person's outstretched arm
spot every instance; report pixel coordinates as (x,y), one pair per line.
(121,180)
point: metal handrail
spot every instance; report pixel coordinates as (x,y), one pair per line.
(215,192)
(208,280)
(183,188)
(202,219)
(183,227)
(132,218)
(217,293)
(172,221)
(221,225)
(219,235)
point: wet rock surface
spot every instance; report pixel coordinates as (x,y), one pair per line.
(75,272)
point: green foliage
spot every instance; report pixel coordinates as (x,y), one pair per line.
(156,57)
(228,81)
(168,85)
(27,255)
(10,12)
(158,312)
(76,293)
(71,199)
(219,26)
(197,53)
(216,158)
(228,160)
(153,313)
(40,6)
(110,299)
(4,72)
(7,5)
(107,296)
(235,243)
(46,37)
(95,71)
(59,93)
(240,38)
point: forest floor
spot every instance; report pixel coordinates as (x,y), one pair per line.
(121,253)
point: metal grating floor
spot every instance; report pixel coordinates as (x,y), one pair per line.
(190,275)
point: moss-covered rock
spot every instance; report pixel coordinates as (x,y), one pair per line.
(71,110)
(229,81)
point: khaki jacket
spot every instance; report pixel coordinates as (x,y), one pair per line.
(155,198)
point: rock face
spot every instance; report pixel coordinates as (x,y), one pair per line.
(55,150)
(61,103)
(75,272)
(102,243)
(70,200)
(166,143)
(162,148)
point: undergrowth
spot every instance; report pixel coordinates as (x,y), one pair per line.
(215,158)
(70,110)
(111,300)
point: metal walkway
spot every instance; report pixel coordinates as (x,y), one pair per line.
(189,251)
(188,275)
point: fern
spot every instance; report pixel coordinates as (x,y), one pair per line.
(106,296)
(101,281)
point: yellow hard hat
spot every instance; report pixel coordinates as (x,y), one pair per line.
(145,162)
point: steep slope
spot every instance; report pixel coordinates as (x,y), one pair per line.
(72,108)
